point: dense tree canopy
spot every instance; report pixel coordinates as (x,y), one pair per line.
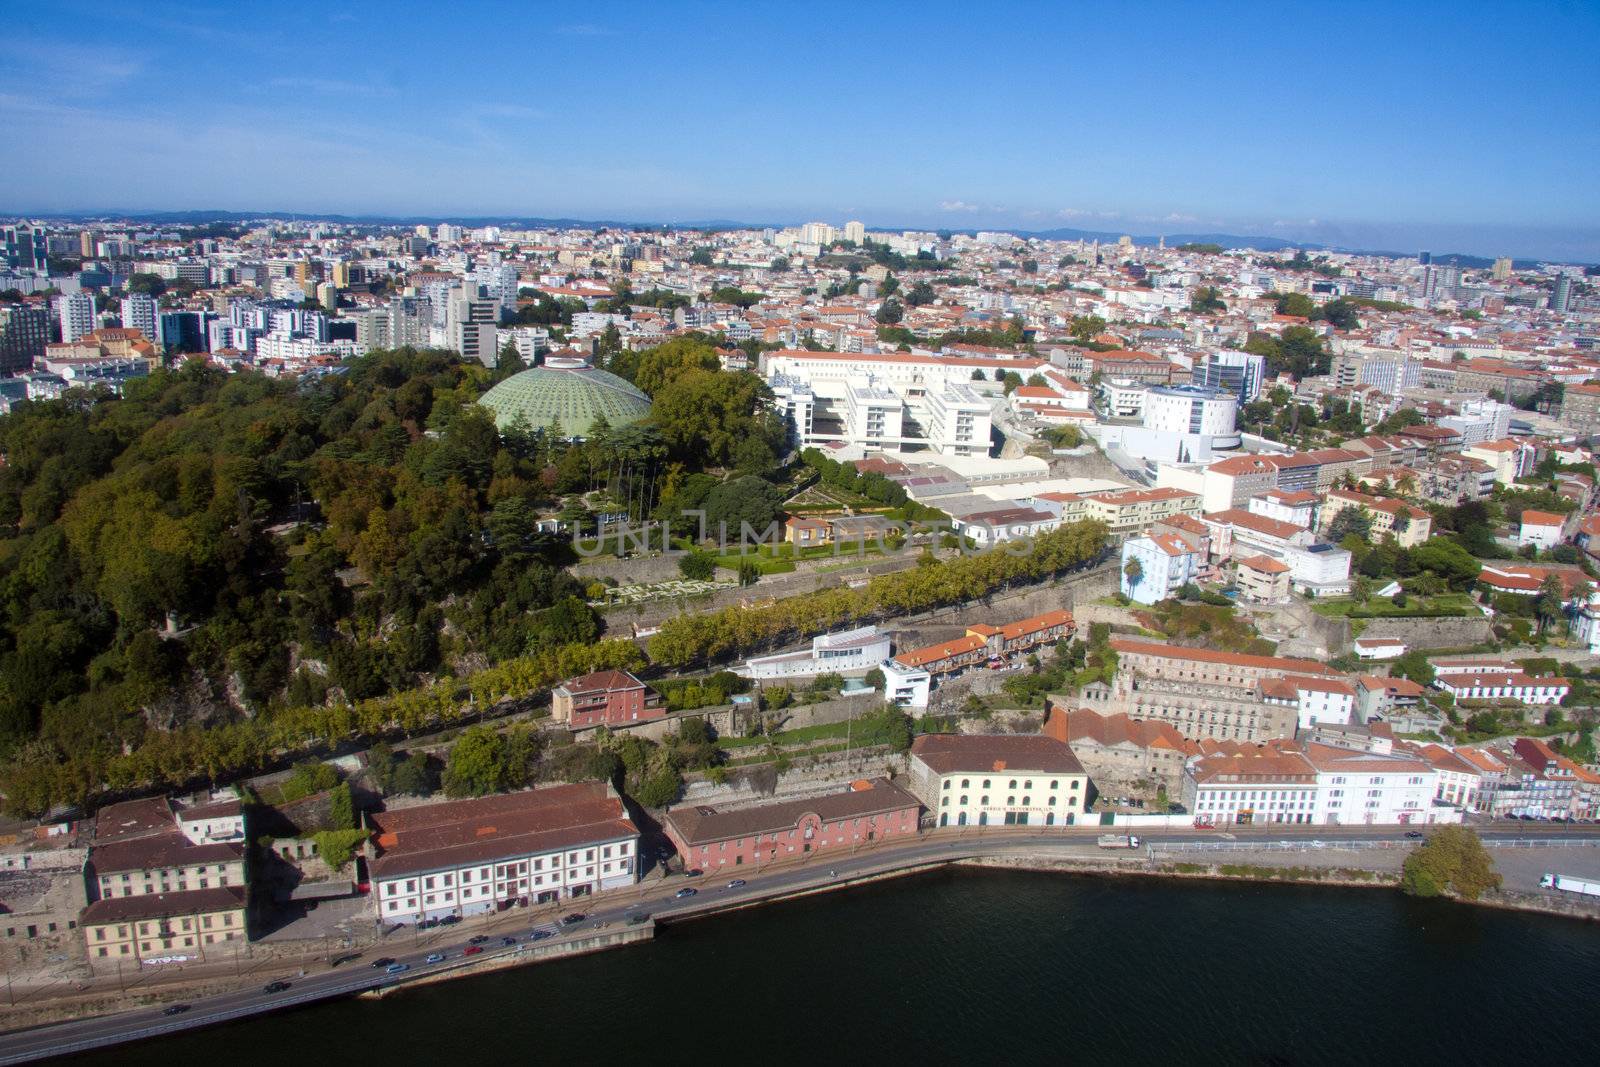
(310,542)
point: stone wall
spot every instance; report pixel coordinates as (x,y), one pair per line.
(1461,632)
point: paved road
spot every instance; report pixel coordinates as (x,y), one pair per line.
(659,901)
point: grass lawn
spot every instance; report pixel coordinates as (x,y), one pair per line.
(788,737)
(1445,604)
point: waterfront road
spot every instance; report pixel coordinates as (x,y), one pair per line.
(657,900)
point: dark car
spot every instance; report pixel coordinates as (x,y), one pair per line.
(175,1009)
(694,873)
(540,935)
(449,920)
(574,919)
(382,962)
(737,883)
(346,958)
(478,939)
(686,891)
(508,941)
(275,987)
(1413,833)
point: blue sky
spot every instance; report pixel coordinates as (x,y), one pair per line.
(1461,127)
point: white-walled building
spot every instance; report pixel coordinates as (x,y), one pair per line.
(849,650)
(1190,409)
(873,417)
(1319,569)
(1543,529)
(1503,685)
(1371,787)
(139,313)
(1165,564)
(75,313)
(469,857)
(905,686)
(957,421)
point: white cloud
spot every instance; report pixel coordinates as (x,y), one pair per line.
(958,205)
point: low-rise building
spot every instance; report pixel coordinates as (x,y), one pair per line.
(1119,752)
(1542,529)
(869,812)
(1409,525)
(604,698)
(1263,580)
(466,857)
(849,650)
(1504,685)
(158,928)
(998,779)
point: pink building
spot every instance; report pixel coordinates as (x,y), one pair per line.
(713,840)
(604,698)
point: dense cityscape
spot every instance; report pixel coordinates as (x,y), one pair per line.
(427,595)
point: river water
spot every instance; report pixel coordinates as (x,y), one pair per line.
(984,967)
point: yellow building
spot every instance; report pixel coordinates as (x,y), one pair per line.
(1409,525)
(163,926)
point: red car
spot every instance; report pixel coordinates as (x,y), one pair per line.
(472,950)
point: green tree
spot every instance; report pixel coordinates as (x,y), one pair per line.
(697,566)
(1452,860)
(1350,521)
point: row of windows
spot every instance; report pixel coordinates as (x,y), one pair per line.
(1027,783)
(1011,801)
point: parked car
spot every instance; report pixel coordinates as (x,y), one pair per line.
(508,941)
(472,950)
(686,891)
(434,957)
(382,961)
(398,968)
(275,987)
(574,919)
(449,920)
(737,883)
(174,1009)
(694,872)
(477,939)
(540,935)
(1413,833)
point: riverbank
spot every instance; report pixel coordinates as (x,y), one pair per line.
(1351,862)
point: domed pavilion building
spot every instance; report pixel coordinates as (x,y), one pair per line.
(565,392)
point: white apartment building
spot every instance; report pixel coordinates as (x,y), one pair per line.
(139,313)
(1371,787)
(1298,508)
(1313,783)
(794,400)
(957,421)
(75,313)
(474,856)
(1165,564)
(873,417)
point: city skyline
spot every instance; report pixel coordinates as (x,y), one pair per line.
(1282,126)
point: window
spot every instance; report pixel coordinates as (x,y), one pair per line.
(946,784)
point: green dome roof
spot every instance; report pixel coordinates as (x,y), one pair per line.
(573,394)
